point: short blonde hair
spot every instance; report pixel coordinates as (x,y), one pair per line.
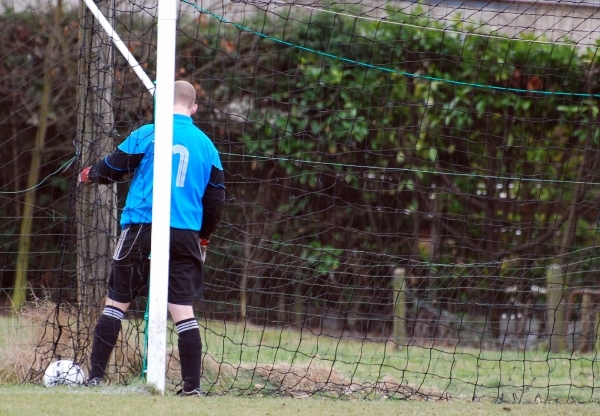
(185,94)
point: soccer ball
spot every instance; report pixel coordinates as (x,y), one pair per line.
(63,372)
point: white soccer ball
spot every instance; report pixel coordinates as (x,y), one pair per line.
(63,372)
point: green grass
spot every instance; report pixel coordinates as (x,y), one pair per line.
(463,373)
(17,400)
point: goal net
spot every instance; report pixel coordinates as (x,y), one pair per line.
(412,197)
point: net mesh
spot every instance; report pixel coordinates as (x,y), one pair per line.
(412,194)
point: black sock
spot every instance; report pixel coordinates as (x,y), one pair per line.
(190,353)
(105,338)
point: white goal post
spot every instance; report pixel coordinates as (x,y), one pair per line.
(161,204)
(110,31)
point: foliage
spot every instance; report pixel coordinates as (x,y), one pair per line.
(30,40)
(361,119)
(350,143)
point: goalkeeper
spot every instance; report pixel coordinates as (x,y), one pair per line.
(197,204)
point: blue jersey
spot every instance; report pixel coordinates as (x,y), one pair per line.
(194,157)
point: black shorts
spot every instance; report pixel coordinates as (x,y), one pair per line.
(130,273)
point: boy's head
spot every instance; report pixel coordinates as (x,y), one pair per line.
(184,98)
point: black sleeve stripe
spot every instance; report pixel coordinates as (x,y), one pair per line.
(114,166)
(217,178)
(213,203)
(119,160)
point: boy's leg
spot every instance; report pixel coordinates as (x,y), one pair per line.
(189,344)
(127,280)
(105,337)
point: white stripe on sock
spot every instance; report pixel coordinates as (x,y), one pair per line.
(113,312)
(187,325)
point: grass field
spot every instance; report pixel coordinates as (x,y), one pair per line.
(527,376)
(245,363)
(135,401)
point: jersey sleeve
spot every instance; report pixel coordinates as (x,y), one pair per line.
(125,159)
(114,166)
(139,141)
(213,201)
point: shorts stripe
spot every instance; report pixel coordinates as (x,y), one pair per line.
(120,244)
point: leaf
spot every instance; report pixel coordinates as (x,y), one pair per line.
(433,154)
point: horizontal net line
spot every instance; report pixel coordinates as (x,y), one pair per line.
(385,20)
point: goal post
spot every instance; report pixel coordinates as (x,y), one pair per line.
(110,31)
(161,203)
(163,94)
